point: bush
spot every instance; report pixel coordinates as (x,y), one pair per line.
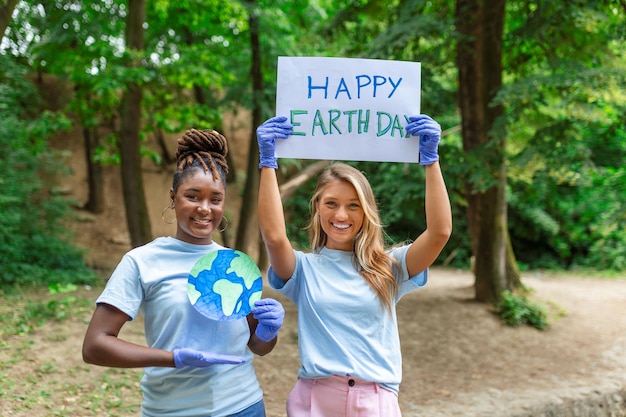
(34,237)
(516,309)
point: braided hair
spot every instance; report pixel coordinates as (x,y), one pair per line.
(204,149)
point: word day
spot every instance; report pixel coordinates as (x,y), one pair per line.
(362,85)
(347,122)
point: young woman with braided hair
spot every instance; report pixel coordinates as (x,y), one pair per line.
(194,366)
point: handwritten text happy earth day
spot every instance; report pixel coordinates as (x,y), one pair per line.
(348,109)
(337,121)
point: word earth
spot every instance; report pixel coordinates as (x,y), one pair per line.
(348,121)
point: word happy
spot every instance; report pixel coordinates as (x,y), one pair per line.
(363,83)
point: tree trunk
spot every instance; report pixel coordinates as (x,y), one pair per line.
(137,218)
(160,139)
(248,233)
(513,275)
(479,59)
(6,12)
(95,175)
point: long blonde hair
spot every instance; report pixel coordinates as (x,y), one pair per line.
(372,261)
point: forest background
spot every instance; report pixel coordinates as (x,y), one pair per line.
(531,96)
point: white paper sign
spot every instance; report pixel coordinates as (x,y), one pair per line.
(348,108)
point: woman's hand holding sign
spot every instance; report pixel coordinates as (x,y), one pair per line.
(429,132)
(267,133)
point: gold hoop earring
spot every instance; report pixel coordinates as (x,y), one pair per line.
(169,221)
(224,220)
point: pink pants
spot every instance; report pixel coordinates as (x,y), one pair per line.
(338,396)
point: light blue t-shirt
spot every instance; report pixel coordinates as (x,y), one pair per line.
(153,279)
(343,328)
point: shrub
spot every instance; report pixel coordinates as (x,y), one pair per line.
(34,237)
(516,309)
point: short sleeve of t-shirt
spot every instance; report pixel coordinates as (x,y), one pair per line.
(407,284)
(124,291)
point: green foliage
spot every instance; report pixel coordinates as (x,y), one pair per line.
(565,106)
(577,223)
(33,217)
(564,94)
(566,172)
(516,309)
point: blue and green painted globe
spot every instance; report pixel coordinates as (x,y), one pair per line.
(224,284)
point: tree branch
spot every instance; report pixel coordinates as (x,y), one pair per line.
(289,188)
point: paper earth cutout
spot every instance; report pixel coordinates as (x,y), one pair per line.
(224,284)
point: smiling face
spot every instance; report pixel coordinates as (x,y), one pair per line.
(340,214)
(199,206)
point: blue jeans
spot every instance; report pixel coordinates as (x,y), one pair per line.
(255,410)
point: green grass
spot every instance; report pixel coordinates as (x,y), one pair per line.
(41,374)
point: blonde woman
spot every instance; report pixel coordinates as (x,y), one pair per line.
(346,289)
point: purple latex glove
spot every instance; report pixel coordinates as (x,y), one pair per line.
(429,132)
(266,134)
(270,314)
(201,359)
